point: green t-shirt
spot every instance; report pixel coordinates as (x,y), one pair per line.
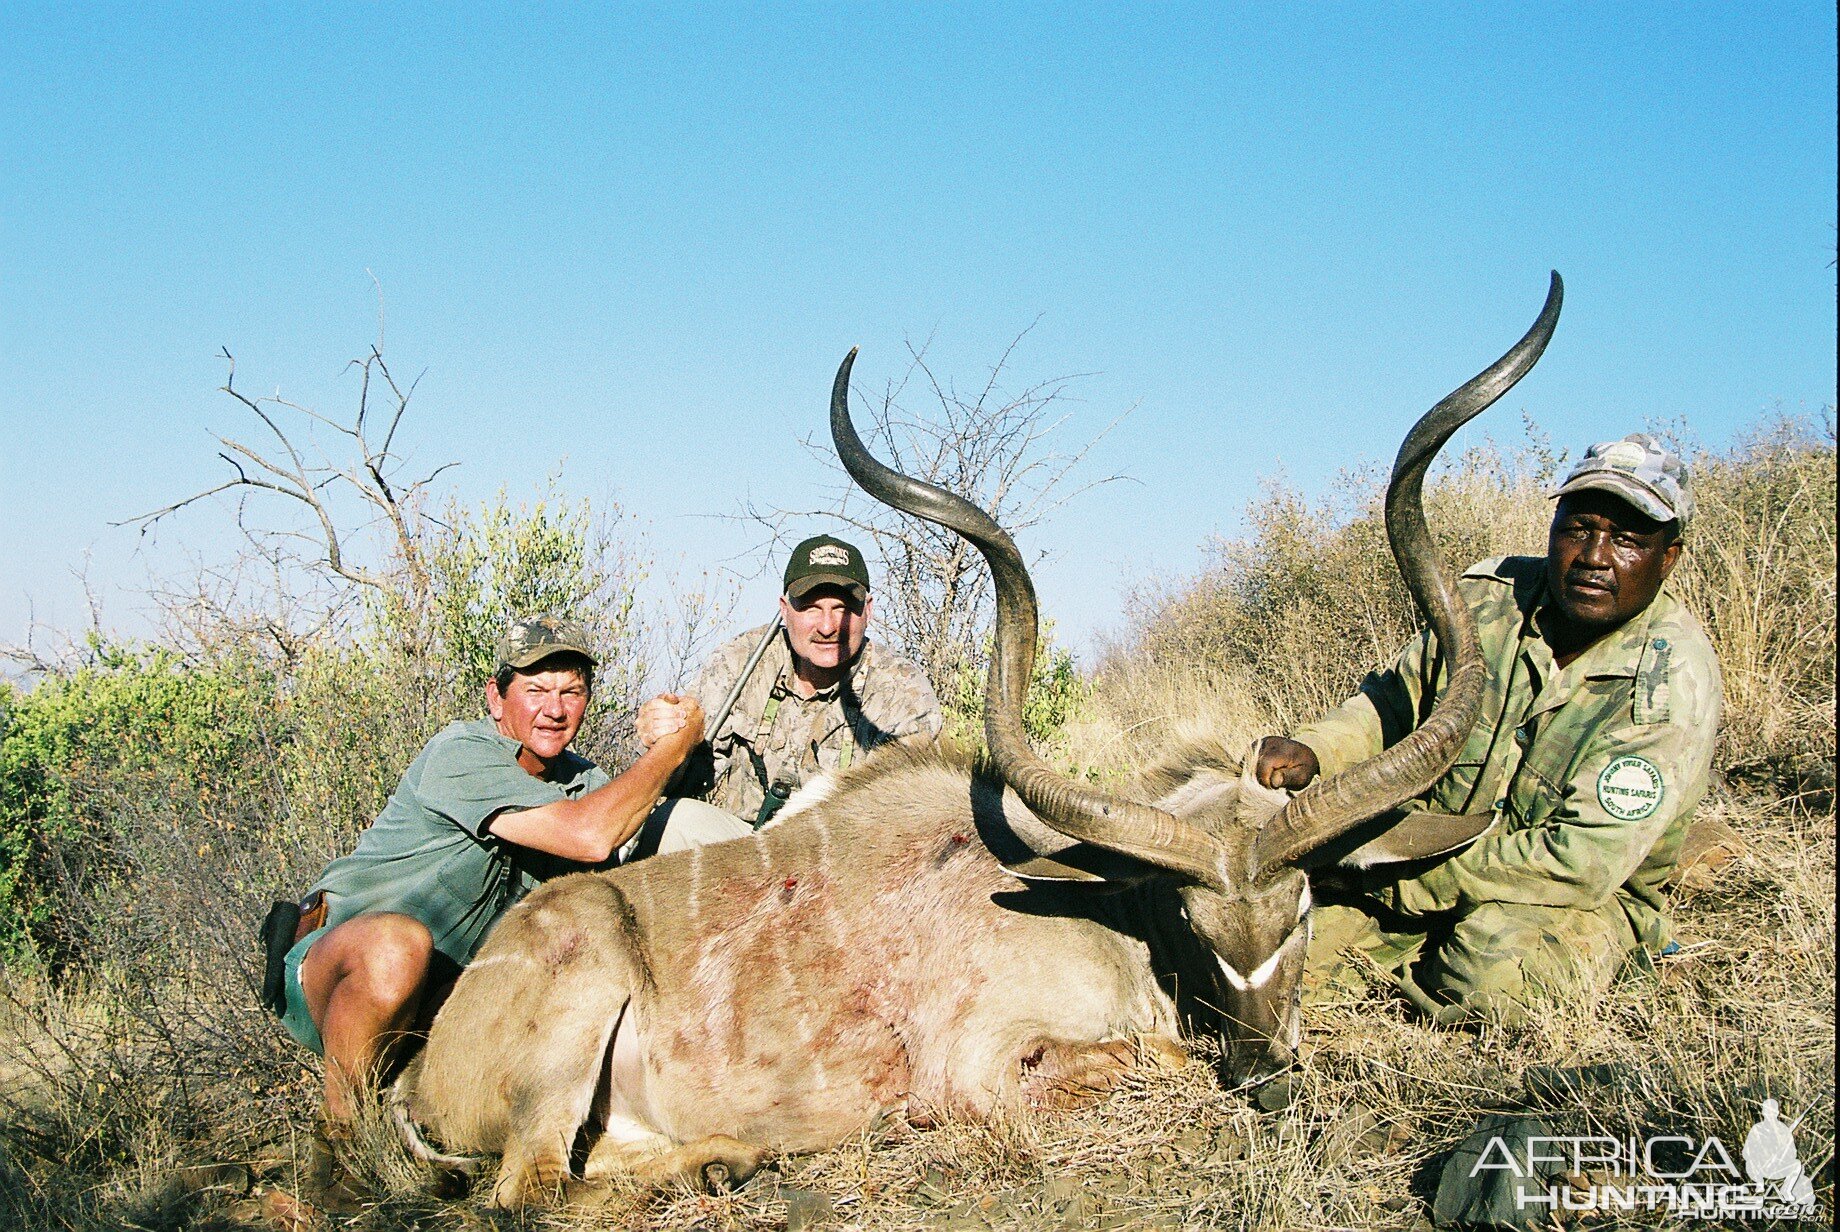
(429,853)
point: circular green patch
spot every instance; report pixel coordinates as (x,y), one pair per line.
(1630,788)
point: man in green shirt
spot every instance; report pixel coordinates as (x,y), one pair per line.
(1592,749)
(489,809)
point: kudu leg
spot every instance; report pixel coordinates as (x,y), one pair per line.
(715,1164)
(1063,1073)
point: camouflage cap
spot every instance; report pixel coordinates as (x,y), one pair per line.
(533,639)
(825,560)
(1642,471)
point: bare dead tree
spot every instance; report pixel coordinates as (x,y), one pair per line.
(67,651)
(996,448)
(219,605)
(360,491)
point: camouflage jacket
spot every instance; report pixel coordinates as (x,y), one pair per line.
(774,732)
(1593,770)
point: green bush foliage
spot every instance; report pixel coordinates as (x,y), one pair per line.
(130,717)
(1057,691)
(489,564)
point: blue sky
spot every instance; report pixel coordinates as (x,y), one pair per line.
(638,240)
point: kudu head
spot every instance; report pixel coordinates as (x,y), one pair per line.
(1237,851)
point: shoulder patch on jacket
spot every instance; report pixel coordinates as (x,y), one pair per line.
(1630,788)
(1654,697)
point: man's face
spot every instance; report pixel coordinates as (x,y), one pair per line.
(541,710)
(1605,560)
(825,628)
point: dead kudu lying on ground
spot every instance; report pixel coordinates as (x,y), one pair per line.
(915,938)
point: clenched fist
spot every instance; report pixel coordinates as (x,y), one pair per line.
(669,714)
(1285,763)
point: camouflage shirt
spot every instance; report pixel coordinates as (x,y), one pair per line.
(774,731)
(1593,770)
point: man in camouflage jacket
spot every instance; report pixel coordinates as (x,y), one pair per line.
(820,698)
(1592,749)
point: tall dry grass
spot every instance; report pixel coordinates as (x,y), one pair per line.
(1286,617)
(1759,571)
(1283,621)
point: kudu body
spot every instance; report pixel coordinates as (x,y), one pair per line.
(912,938)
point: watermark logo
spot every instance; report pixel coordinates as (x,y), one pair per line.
(1770,1158)
(1675,1173)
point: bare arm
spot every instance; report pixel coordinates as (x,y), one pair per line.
(593,827)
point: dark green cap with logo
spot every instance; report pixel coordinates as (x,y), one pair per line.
(532,639)
(825,560)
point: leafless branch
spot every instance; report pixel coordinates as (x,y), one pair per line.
(358,495)
(995,448)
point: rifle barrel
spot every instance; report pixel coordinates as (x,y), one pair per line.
(734,694)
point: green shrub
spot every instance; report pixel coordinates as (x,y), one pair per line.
(1057,692)
(123,716)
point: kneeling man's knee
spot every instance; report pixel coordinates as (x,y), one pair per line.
(396,958)
(387,954)
(1503,958)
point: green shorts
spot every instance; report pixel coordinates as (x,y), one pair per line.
(297,1020)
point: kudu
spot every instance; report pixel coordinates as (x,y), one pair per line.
(911,937)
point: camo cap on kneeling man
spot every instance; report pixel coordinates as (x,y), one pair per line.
(532,639)
(1642,471)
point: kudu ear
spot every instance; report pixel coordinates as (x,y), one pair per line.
(1392,838)
(1084,864)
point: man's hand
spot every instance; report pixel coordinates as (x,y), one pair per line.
(1285,763)
(660,717)
(670,715)
(590,828)
(690,713)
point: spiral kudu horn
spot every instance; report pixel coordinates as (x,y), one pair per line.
(1077,811)
(1333,805)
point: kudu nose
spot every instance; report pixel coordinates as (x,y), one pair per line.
(1252,1063)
